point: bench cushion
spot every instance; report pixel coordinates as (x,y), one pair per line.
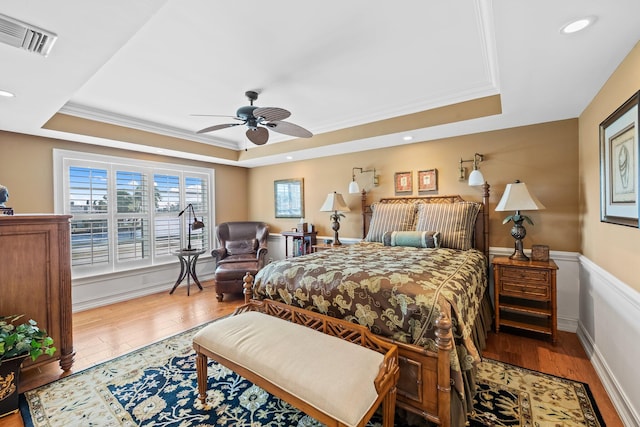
(330,374)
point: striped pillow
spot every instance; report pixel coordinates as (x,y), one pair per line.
(390,217)
(454,221)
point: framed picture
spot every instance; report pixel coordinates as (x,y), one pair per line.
(403,182)
(289,198)
(427,180)
(619,165)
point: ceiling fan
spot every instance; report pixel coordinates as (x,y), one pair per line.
(259,120)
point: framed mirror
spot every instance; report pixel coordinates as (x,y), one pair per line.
(289,198)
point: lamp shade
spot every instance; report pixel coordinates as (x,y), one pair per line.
(354,187)
(517,197)
(476,178)
(334,203)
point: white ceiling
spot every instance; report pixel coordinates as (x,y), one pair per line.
(150,65)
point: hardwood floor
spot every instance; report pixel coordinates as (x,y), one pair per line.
(103,333)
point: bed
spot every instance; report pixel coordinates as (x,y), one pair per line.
(418,279)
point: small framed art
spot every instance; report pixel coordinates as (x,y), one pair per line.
(619,160)
(403,183)
(427,180)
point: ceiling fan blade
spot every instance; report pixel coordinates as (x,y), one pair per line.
(214,115)
(271,113)
(218,127)
(258,136)
(288,128)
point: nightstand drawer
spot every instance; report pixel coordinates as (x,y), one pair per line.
(528,274)
(528,290)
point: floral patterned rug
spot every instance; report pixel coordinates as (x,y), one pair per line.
(156,385)
(512,396)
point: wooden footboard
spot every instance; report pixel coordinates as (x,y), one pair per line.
(424,387)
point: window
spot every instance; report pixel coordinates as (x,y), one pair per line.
(129,213)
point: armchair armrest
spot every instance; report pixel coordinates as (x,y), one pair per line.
(262,256)
(218,254)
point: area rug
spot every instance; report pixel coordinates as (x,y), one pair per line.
(512,396)
(156,386)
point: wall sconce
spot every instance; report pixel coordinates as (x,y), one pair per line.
(475,177)
(353,185)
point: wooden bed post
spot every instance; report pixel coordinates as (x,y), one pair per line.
(444,341)
(485,218)
(247,287)
(363,203)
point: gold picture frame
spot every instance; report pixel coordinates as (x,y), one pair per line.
(403,183)
(427,180)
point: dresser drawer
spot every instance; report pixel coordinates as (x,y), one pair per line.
(529,290)
(528,274)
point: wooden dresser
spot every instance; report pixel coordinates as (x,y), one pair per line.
(35,278)
(525,295)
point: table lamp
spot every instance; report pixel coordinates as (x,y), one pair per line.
(517,198)
(335,203)
(195,225)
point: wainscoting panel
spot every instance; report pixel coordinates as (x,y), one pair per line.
(97,291)
(610,333)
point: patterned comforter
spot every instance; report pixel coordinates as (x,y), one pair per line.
(397,292)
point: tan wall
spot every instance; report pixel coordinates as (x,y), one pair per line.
(545,156)
(615,248)
(27,171)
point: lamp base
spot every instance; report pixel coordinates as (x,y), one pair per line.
(518,232)
(335,226)
(519,256)
(518,253)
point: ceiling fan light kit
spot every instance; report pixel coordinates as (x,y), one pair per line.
(259,120)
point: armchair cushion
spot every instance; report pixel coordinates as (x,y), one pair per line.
(240,247)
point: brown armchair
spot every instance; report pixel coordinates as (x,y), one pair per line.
(243,248)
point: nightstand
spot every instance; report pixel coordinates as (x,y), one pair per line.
(525,295)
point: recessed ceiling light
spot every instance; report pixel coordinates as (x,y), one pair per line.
(289,157)
(407,138)
(6,93)
(577,25)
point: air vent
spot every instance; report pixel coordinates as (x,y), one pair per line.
(26,36)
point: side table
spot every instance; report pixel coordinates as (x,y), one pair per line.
(188,260)
(525,295)
(305,241)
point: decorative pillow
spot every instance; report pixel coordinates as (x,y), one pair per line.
(390,217)
(455,221)
(239,247)
(416,239)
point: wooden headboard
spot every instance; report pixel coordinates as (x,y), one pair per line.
(481,232)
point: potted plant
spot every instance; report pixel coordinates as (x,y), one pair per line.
(18,341)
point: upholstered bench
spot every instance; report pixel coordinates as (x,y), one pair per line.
(335,371)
